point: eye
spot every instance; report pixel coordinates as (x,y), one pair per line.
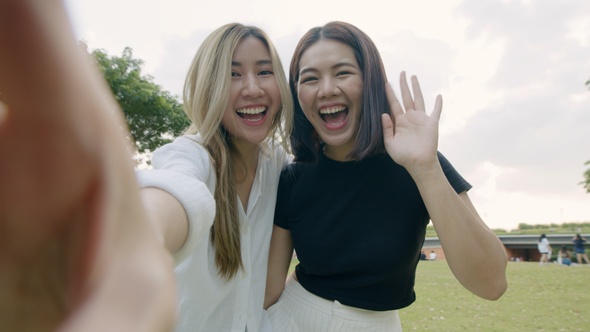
(266,72)
(343,73)
(307,79)
(235,74)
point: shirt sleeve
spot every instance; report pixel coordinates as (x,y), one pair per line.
(183,169)
(455,179)
(287,179)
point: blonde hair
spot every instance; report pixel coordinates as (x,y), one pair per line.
(205,101)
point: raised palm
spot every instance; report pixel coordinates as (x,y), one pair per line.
(412,138)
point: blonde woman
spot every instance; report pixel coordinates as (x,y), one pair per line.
(213,190)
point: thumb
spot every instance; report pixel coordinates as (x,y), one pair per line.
(387,124)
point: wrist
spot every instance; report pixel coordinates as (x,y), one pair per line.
(426,173)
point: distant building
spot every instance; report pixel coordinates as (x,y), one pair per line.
(518,247)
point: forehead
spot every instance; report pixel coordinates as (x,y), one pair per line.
(250,48)
(327,52)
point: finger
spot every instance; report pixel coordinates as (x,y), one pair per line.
(396,107)
(438,103)
(406,94)
(418,98)
(37,58)
(387,124)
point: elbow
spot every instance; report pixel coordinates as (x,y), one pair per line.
(497,291)
(497,283)
(494,289)
(489,285)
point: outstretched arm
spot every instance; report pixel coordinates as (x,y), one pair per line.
(77,252)
(474,253)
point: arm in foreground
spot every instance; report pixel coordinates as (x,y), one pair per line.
(474,253)
(77,252)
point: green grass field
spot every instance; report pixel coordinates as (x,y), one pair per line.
(539,298)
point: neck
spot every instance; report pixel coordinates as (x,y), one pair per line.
(247,154)
(338,153)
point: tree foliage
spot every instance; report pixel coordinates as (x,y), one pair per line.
(553,228)
(154,116)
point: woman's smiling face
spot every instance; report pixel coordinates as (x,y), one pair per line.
(329,91)
(254,97)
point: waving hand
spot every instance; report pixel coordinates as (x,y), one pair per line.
(413,140)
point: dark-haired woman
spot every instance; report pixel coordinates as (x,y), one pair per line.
(367,179)
(581,256)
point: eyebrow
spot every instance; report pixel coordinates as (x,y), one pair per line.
(335,66)
(258,63)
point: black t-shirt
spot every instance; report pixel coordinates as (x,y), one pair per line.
(357,227)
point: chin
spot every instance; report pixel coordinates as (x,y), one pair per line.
(336,141)
(253,139)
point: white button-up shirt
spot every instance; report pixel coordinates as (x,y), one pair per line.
(207,302)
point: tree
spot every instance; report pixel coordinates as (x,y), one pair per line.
(154,116)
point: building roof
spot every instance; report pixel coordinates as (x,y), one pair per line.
(525,241)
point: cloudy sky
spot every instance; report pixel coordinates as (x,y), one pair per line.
(516,115)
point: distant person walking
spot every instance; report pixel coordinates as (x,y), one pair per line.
(579,249)
(544,248)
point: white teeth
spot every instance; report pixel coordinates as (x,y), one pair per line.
(331,110)
(254,110)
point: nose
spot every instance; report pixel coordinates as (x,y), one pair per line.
(328,88)
(252,87)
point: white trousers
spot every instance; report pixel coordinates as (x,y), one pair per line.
(298,310)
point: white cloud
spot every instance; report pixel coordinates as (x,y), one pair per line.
(579,30)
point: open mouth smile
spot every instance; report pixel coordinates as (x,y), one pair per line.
(252,114)
(334,117)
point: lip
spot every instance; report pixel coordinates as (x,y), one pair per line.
(249,114)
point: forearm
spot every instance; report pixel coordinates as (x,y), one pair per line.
(167,217)
(474,253)
(279,260)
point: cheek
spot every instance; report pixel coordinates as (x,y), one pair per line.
(276,96)
(229,115)
(227,120)
(272,90)
(234,93)
(357,92)
(305,99)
